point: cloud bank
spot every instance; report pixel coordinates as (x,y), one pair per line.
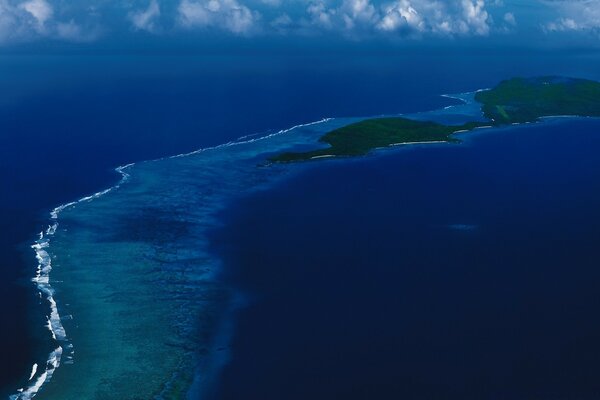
(29,20)
(229,15)
(403,18)
(575,15)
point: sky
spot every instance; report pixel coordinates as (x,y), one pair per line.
(566,22)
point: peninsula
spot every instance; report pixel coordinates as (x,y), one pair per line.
(516,100)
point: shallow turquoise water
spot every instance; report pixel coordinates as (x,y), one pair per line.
(67,120)
(134,283)
(138,290)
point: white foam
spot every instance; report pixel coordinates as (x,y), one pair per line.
(51,365)
(456,97)
(323,156)
(42,276)
(122,170)
(53,322)
(423,142)
(33,371)
(560,116)
(42,281)
(51,229)
(239,142)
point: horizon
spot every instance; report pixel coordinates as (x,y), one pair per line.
(412,262)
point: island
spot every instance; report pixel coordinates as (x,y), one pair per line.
(517,100)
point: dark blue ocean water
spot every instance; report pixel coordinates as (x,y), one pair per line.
(433,272)
(67,120)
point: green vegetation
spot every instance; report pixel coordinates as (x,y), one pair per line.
(360,138)
(513,101)
(502,112)
(526,100)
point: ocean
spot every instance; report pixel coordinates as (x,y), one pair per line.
(430,272)
(68,120)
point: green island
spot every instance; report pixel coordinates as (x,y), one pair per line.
(517,100)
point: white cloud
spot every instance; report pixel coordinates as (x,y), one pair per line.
(574,15)
(24,21)
(40,10)
(437,17)
(510,19)
(146,19)
(358,12)
(73,32)
(228,15)
(355,19)
(403,17)
(69,30)
(320,15)
(563,24)
(29,20)
(401,14)
(350,15)
(282,22)
(476,16)
(7,22)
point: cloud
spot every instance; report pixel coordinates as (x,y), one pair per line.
(320,15)
(23,21)
(574,15)
(145,19)
(510,19)
(229,15)
(562,24)
(73,32)
(476,16)
(282,23)
(26,20)
(403,17)
(40,10)
(401,14)
(30,20)
(7,22)
(358,12)
(437,17)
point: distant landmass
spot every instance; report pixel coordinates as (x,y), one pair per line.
(517,100)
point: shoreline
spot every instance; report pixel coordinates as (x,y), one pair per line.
(41,280)
(462,131)
(44,256)
(421,167)
(41,375)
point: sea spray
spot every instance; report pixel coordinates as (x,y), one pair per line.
(40,376)
(43,375)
